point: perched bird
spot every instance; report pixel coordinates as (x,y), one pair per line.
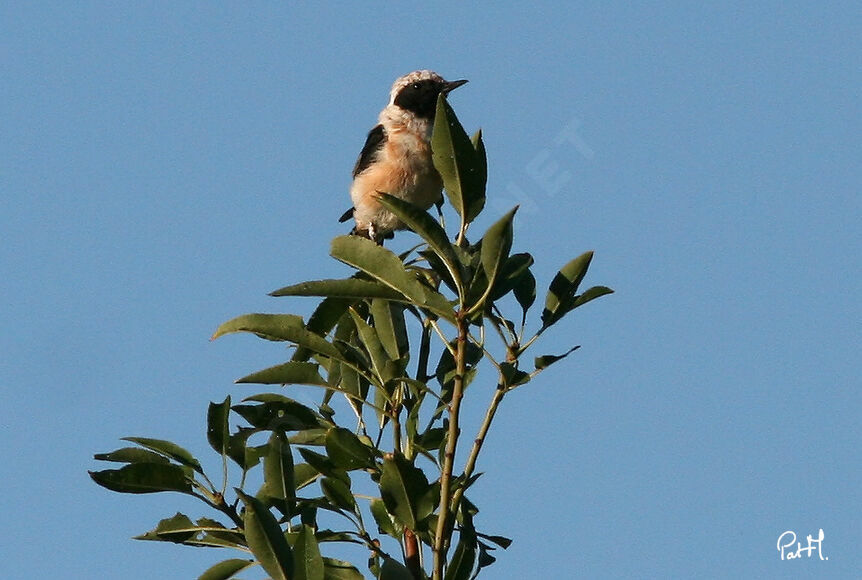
(396,158)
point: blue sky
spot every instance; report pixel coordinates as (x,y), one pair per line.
(165,166)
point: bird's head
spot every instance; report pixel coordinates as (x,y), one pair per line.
(417,92)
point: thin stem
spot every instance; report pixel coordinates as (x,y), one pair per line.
(442,336)
(499,393)
(443,531)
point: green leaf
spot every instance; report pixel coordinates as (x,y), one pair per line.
(591,294)
(323,465)
(384,520)
(394,570)
(463,560)
(351,288)
(168,449)
(239,451)
(304,475)
(227,569)
(144,478)
(525,291)
(513,269)
(549,359)
(323,320)
(373,347)
(340,570)
(496,244)
(383,265)
(429,229)
(289,373)
(403,487)
(268,326)
(308,564)
(218,430)
(462,167)
(281,327)
(278,412)
(338,492)
(347,451)
(278,477)
(501,541)
(391,327)
(176,529)
(218,535)
(563,288)
(481,166)
(266,539)
(132,455)
(512,375)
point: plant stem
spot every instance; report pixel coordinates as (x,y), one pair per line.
(480,440)
(443,531)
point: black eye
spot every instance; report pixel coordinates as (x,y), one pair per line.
(416,86)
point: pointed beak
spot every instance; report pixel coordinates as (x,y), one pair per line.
(452,85)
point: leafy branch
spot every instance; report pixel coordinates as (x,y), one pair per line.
(444,300)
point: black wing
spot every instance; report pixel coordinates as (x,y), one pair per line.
(369,152)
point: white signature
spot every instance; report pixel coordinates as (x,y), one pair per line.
(788,540)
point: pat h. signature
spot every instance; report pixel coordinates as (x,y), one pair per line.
(787,542)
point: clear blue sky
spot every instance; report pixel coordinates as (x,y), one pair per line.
(163,167)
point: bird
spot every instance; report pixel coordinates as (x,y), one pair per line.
(396,158)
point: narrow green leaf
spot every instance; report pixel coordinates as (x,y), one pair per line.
(462,168)
(132,455)
(391,327)
(308,564)
(394,570)
(309,437)
(338,492)
(347,451)
(278,476)
(340,570)
(513,269)
(525,291)
(266,539)
(289,373)
(322,321)
(176,529)
(549,359)
(218,430)
(281,327)
(383,265)
(144,478)
(268,326)
(496,244)
(218,535)
(227,569)
(563,288)
(384,520)
(591,294)
(350,288)
(304,475)
(278,412)
(501,541)
(168,449)
(512,375)
(429,229)
(403,487)
(239,451)
(321,463)
(481,171)
(464,559)
(373,346)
